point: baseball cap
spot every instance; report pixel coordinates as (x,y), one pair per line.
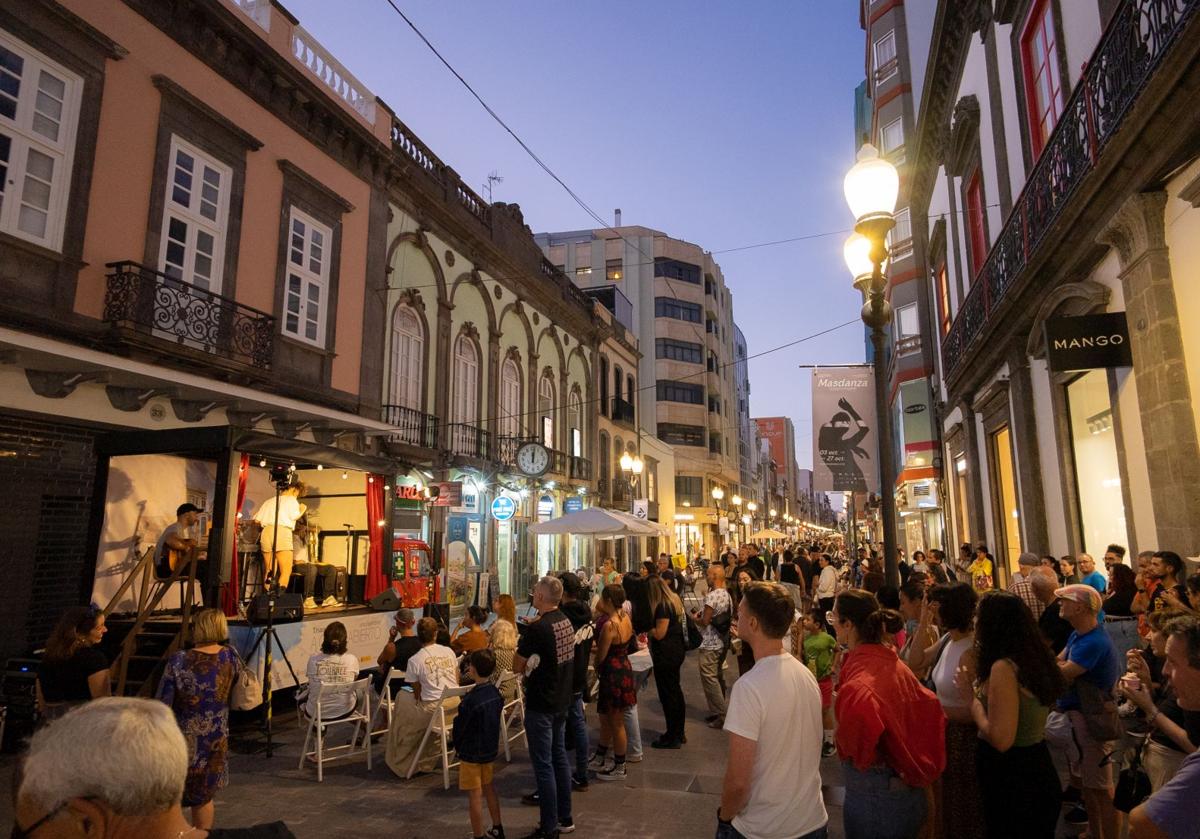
(1028,558)
(187,508)
(1080,593)
(406,617)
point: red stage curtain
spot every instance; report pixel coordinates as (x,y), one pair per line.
(377,526)
(229,597)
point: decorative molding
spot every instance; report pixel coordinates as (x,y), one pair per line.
(168,87)
(470,330)
(195,410)
(1191,192)
(291,169)
(133,399)
(964,136)
(1136,228)
(1066,300)
(56,384)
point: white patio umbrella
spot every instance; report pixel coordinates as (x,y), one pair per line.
(768,534)
(598,522)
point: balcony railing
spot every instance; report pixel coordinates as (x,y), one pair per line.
(580,468)
(150,302)
(622,411)
(412,426)
(469,441)
(407,144)
(329,71)
(1140,34)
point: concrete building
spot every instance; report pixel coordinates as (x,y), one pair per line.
(780,435)
(1053,172)
(885,115)
(682,308)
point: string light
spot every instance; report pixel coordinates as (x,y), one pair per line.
(345,475)
(320,467)
(262,462)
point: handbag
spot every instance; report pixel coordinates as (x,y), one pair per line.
(1133,784)
(1099,709)
(247,692)
(928,680)
(692,637)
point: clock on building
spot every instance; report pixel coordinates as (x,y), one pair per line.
(533,459)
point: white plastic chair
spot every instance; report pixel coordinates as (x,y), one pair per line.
(439,726)
(385,704)
(512,713)
(360,715)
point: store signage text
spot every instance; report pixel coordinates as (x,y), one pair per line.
(503,508)
(1088,342)
(572,505)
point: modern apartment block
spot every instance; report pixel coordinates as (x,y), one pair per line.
(886,113)
(682,314)
(1052,178)
(780,435)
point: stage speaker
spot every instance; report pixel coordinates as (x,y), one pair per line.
(289,608)
(386,601)
(439,612)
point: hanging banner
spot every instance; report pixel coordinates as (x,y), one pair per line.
(845,442)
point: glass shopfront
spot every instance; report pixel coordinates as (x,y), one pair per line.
(1004,489)
(1097,471)
(961,519)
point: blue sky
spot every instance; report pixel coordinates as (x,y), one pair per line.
(722,123)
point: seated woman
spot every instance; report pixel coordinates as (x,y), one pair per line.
(469,636)
(73,669)
(503,633)
(332,665)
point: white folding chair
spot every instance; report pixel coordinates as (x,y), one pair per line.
(360,715)
(513,713)
(439,726)
(385,704)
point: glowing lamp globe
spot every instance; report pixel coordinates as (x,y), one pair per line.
(871,186)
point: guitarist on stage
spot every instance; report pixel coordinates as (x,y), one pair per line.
(176,540)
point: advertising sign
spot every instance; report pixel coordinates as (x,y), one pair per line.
(1088,342)
(572,505)
(843,403)
(449,494)
(503,508)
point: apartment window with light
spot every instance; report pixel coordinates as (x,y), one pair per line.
(891,136)
(583,271)
(943,293)
(886,64)
(546,410)
(306,293)
(614,269)
(39,108)
(977,244)
(1043,87)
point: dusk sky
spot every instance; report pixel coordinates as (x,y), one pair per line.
(724,124)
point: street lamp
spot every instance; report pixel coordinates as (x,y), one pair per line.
(632,467)
(872,186)
(736,501)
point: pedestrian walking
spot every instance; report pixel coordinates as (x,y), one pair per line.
(772,787)
(546,655)
(1017,684)
(891,729)
(196,685)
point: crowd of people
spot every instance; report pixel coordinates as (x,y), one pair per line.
(947,700)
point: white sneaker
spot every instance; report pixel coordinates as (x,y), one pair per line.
(329,601)
(309,603)
(613,772)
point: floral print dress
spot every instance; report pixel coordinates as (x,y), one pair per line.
(197,685)
(618,687)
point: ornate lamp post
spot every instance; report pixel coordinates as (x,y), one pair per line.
(871,188)
(717,495)
(753,508)
(631,468)
(736,501)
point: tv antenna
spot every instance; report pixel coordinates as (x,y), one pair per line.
(493,178)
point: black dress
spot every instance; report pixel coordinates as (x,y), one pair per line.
(667,654)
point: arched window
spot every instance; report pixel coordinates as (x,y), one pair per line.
(603,459)
(408,359)
(630,390)
(465,406)
(510,399)
(603,386)
(575,422)
(617,377)
(546,410)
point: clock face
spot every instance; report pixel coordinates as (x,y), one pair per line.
(533,459)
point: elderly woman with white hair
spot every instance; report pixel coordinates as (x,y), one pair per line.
(113,767)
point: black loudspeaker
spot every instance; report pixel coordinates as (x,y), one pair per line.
(289,607)
(386,601)
(440,612)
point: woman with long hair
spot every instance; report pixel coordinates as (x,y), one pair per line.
(503,634)
(889,727)
(196,685)
(1018,683)
(617,687)
(667,651)
(1120,623)
(73,668)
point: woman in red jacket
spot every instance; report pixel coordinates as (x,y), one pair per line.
(891,729)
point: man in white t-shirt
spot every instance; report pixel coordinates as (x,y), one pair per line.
(714,622)
(772,786)
(431,670)
(278,532)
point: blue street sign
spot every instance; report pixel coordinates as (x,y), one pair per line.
(572,505)
(503,508)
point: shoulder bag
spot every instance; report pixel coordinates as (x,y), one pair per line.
(247,692)
(1133,785)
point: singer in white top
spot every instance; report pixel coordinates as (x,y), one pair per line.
(278,532)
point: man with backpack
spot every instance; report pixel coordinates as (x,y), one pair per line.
(714,622)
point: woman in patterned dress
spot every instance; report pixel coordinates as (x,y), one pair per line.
(196,685)
(617,689)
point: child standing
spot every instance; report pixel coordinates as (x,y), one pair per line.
(476,740)
(819,649)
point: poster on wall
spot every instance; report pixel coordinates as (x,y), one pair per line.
(843,404)
(461,557)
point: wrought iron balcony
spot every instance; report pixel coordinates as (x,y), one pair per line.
(1140,34)
(580,468)
(147,301)
(412,426)
(622,411)
(469,441)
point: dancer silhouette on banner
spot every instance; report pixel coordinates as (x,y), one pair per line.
(838,451)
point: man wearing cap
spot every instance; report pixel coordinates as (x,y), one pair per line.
(1022,583)
(1090,665)
(402,643)
(176,537)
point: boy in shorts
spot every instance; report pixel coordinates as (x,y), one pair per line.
(476,739)
(819,650)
